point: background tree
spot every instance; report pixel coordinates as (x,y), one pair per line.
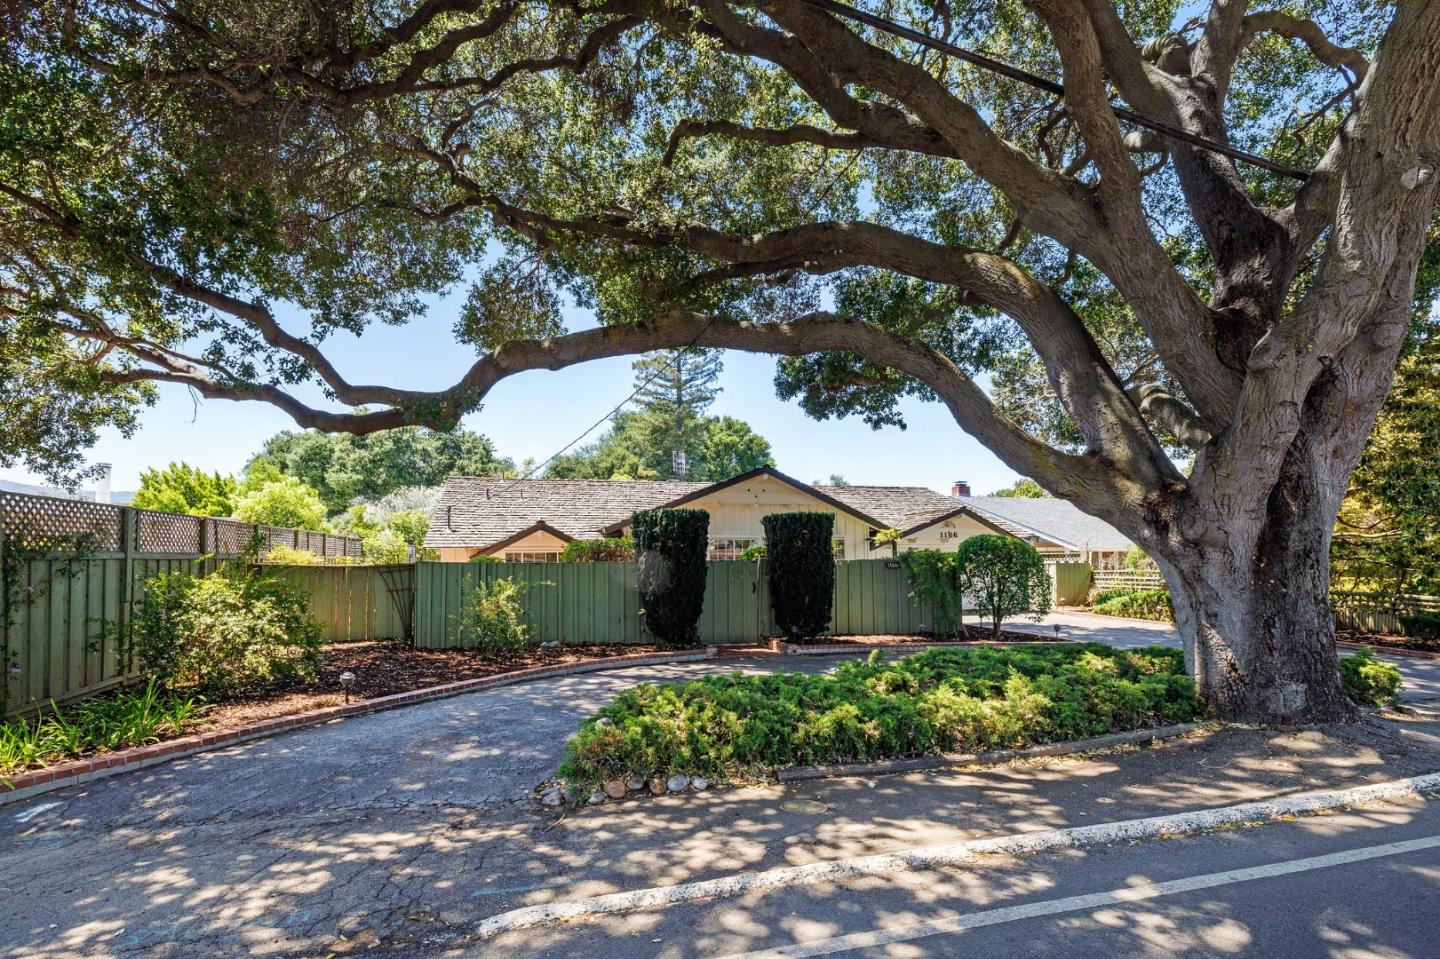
(640,447)
(343,467)
(1024,488)
(1225,268)
(676,387)
(1003,577)
(1387,538)
(181,488)
(284,502)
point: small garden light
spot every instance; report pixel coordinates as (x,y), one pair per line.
(1057,632)
(347,679)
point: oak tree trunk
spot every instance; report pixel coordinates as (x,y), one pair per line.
(1256,620)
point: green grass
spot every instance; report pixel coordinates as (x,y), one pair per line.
(942,700)
(126,719)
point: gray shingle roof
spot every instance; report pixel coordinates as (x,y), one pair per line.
(1055,519)
(477,511)
(901,507)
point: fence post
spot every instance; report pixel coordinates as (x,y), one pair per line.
(128,535)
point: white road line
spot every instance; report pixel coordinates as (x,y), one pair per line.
(1115,897)
(924,857)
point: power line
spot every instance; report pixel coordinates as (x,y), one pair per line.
(608,416)
(1050,86)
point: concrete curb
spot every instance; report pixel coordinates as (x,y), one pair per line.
(944,760)
(783,648)
(24,785)
(925,857)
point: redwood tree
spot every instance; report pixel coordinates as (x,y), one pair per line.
(775,177)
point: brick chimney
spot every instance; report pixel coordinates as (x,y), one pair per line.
(961,488)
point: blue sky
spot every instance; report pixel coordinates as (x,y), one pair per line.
(536,413)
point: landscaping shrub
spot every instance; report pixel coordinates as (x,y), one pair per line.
(125,719)
(617,549)
(758,551)
(1368,681)
(1004,577)
(670,547)
(937,579)
(1136,604)
(493,621)
(802,571)
(236,628)
(1422,626)
(966,699)
(482,558)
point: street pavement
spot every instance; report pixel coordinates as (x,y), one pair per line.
(396,834)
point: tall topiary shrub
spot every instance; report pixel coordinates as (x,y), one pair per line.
(1003,576)
(802,571)
(670,571)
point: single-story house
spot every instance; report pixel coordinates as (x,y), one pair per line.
(1055,527)
(524,520)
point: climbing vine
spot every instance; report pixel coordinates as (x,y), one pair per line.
(19,589)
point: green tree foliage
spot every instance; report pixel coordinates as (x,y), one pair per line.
(283,502)
(1004,577)
(670,548)
(801,556)
(181,488)
(1387,538)
(1024,488)
(675,388)
(344,468)
(639,446)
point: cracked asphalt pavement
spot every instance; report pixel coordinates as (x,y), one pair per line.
(395,833)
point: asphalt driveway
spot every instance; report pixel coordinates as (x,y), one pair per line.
(399,831)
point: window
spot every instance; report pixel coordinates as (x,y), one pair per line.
(731,547)
(837,546)
(527,557)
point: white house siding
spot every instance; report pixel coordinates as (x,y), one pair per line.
(945,535)
(735,513)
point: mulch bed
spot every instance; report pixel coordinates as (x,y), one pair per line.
(1383,641)
(385,667)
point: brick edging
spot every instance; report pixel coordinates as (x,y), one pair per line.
(1391,650)
(36,781)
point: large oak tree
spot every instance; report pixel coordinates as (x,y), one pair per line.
(772,177)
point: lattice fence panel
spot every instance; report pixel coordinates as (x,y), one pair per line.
(40,521)
(231,537)
(167,532)
(277,536)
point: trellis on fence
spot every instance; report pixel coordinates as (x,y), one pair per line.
(72,573)
(1104,579)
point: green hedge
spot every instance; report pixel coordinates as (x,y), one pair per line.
(1368,681)
(802,571)
(1136,604)
(670,547)
(617,549)
(736,726)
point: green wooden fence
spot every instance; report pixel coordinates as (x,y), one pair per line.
(356,602)
(598,602)
(61,613)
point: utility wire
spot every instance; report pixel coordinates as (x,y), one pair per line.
(1050,86)
(608,416)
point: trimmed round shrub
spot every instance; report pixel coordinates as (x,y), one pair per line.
(619,549)
(802,571)
(1004,577)
(670,546)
